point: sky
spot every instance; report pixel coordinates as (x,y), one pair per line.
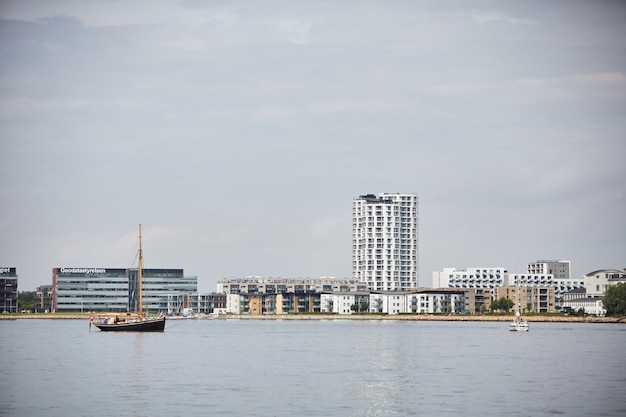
(238,133)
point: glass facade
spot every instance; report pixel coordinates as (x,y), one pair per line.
(115,289)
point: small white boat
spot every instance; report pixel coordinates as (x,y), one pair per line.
(518,324)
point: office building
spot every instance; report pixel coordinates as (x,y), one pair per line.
(385,241)
(115,289)
(8,289)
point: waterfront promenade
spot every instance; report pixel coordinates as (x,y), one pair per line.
(317,316)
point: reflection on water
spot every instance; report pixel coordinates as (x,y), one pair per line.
(312,368)
(138,388)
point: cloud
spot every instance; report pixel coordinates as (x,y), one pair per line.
(224,18)
(294,30)
(324,228)
(238,126)
(573,86)
(489,17)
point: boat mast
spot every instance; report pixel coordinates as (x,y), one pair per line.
(519,276)
(140,273)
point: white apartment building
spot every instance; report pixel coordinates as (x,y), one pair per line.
(431,301)
(490,277)
(597,282)
(530,280)
(385,241)
(343,302)
(558,269)
(260,285)
(561,286)
(592,305)
(389,302)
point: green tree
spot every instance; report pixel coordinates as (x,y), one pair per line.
(507,304)
(26,300)
(359,307)
(615,300)
(502,304)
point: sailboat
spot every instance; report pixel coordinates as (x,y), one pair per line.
(135,321)
(519,324)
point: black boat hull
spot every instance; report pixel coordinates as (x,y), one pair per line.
(148,325)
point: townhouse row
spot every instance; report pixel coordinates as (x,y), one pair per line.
(422,301)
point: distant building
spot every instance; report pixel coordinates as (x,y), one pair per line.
(575,294)
(495,277)
(485,277)
(115,289)
(532,299)
(558,269)
(8,289)
(389,302)
(437,300)
(597,282)
(273,303)
(385,245)
(44,297)
(345,302)
(590,293)
(617,278)
(562,286)
(180,304)
(478,300)
(212,303)
(257,284)
(578,299)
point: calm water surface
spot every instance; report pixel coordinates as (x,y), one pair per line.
(313,368)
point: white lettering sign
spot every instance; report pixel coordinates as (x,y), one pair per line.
(83,270)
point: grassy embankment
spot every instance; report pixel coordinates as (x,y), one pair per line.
(60,316)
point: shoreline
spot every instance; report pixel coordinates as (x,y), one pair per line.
(367,317)
(425,317)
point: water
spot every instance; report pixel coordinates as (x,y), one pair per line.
(313,368)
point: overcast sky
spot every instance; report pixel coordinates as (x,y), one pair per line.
(239,132)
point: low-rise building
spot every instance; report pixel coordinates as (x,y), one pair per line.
(345,302)
(579,299)
(388,302)
(532,299)
(275,303)
(437,300)
(478,300)
(185,303)
(257,284)
(44,297)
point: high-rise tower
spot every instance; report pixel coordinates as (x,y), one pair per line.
(385,241)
